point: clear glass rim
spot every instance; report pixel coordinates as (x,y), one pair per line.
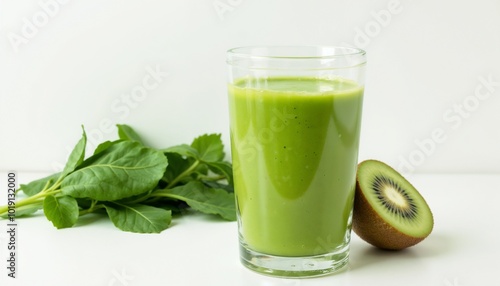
(249,52)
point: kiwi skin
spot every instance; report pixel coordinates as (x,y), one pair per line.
(370,227)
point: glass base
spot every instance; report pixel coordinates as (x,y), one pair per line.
(295,267)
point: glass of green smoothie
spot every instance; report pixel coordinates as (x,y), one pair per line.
(295,116)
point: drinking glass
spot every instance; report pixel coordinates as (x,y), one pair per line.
(295,116)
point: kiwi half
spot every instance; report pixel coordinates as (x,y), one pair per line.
(389,212)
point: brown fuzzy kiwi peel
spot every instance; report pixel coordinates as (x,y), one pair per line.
(372,228)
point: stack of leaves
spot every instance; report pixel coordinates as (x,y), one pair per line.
(137,186)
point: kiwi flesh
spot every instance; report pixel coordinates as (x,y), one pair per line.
(389,212)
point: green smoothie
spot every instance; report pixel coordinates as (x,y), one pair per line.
(294,149)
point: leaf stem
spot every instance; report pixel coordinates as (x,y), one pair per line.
(93,207)
(36,198)
(212,178)
(167,195)
(186,173)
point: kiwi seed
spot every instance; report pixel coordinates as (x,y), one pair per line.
(389,212)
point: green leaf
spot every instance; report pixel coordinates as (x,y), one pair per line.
(27,210)
(183,150)
(138,218)
(209,147)
(204,199)
(84,203)
(61,211)
(105,145)
(206,148)
(222,168)
(122,170)
(216,185)
(175,206)
(201,169)
(76,156)
(36,186)
(177,164)
(126,132)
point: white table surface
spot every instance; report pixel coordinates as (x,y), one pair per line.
(463,248)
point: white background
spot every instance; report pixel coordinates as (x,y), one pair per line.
(83,62)
(197,249)
(68,63)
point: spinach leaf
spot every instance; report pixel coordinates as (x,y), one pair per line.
(138,187)
(36,186)
(76,156)
(183,150)
(25,211)
(138,218)
(222,168)
(61,211)
(122,170)
(206,148)
(177,165)
(209,147)
(126,132)
(204,199)
(105,145)
(216,185)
